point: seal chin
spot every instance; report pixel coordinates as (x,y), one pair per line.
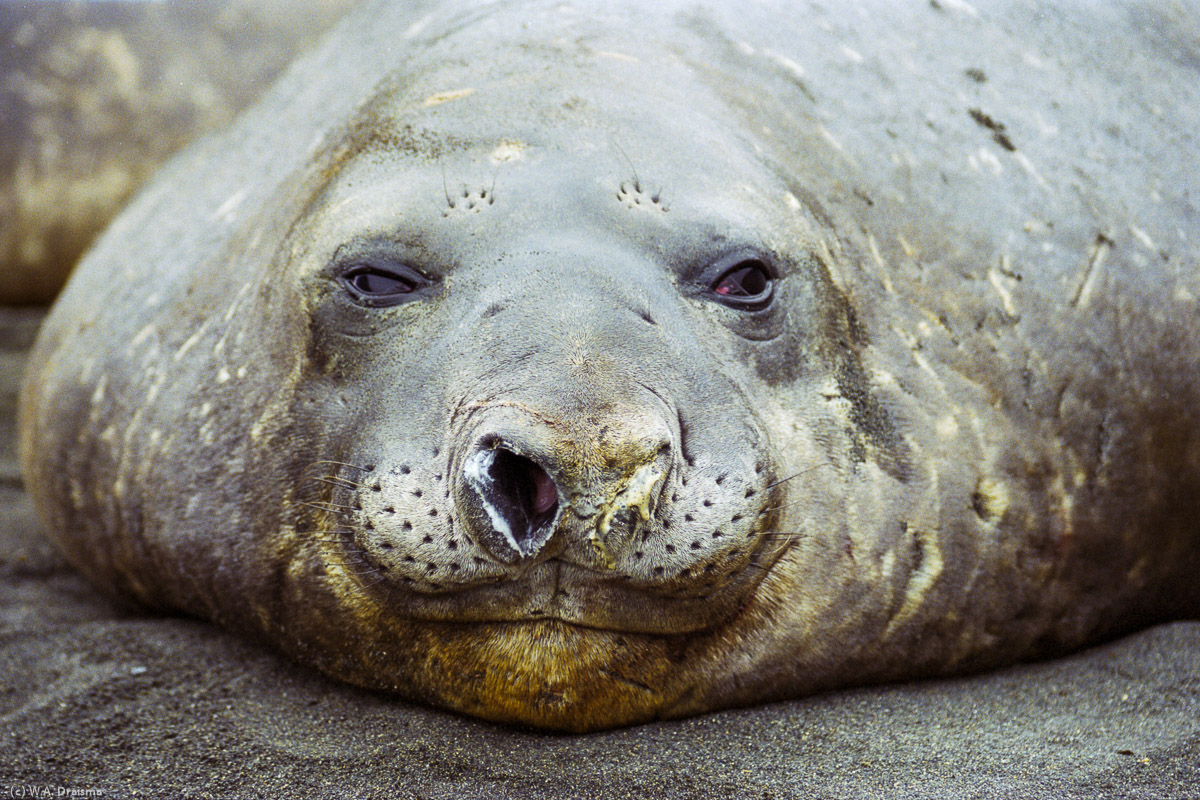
(548,674)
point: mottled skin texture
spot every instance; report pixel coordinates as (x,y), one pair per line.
(960,434)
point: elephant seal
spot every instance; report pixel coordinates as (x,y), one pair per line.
(580,366)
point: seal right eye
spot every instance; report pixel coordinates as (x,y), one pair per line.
(376,285)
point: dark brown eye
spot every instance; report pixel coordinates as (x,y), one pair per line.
(370,281)
(748,279)
(382,285)
(742,282)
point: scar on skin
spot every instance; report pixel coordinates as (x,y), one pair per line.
(506,151)
(1096,258)
(443,97)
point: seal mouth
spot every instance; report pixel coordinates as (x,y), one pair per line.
(518,496)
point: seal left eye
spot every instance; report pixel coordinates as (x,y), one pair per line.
(744,282)
(749,279)
(381,286)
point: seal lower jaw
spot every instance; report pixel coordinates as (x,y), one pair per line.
(568,594)
(568,674)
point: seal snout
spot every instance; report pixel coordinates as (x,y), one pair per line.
(535,485)
(518,498)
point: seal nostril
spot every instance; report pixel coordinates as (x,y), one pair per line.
(528,489)
(519,498)
(545,493)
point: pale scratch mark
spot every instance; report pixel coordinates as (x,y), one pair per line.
(1143,237)
(228,209)
(237,301)
(996,277)
(930,561)
(191,341)
(1027,165)
(101,386)
(828,136)
(508,150)
(418,27)
(157,381)
(233,307)
(787,63)
(989,160)
(926,367)
(155,388)
(883,267)
(947,427)
(831,263)
(961,6)
(141,336)
(445,97)
(618,56)
(1092,272)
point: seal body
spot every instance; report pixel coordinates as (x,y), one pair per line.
(96,96)
(579,367)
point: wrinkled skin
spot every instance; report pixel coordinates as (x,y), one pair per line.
(578,370)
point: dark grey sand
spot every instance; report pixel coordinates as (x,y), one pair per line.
(95,696)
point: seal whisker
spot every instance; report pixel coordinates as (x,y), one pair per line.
(782,506)
(759,567)
(335,535)
(366,468)
(785,535)
(637,183)
(340,482)
(800,473)
(445,185)
(368,570)
(327,507)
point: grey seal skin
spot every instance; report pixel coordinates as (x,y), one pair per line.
(578,366)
